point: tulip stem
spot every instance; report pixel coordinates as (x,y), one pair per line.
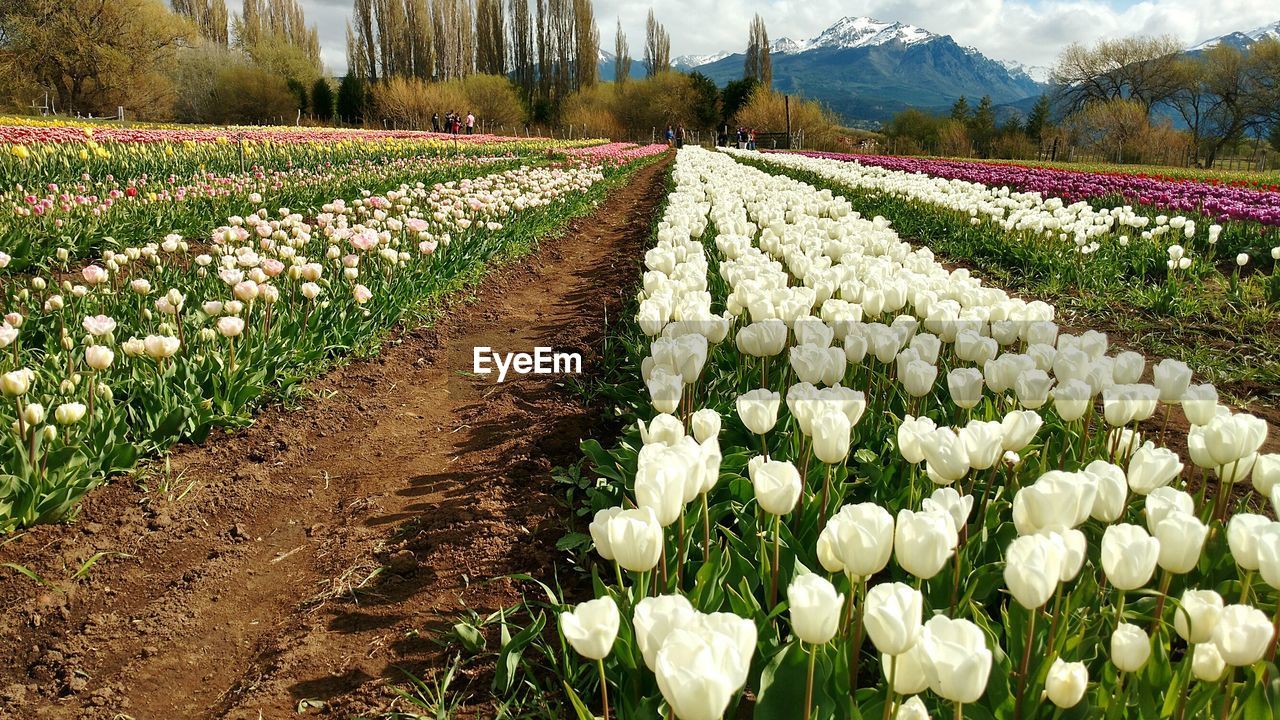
(706,529)
(773,567)
(959,711)
(808,685)
(1275,635)
(680,552)
(1026,660)
(1120,608)
(1053,623)
(1165,578)
(604,688)
(890,695)
(1227,682)
(855,654)
(826,493)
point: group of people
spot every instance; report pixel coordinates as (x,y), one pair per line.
(675,138)
(745,139)
(454,123)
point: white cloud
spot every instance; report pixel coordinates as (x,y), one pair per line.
(1023,30)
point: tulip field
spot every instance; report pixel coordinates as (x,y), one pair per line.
(855,483)
(159,283)
(1192,269)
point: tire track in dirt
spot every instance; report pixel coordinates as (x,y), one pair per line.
(312,555)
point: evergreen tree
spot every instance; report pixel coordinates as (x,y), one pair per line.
(706,105)
(322,100)
(735,96)
(299,93)
(1038,119)
(982,126)
(351,99)
(960,110)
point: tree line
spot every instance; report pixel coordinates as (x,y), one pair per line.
(1137,99)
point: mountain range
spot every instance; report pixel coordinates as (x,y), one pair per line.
(867,70)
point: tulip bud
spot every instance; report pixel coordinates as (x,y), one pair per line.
(591,627)
(98,357)
(959,662)
(965,386)
(861,538)
(907,670)
(1129,555)
(664,429)
(1130,647)
(946,458)
(665,390)
(655,618)
(1033,566)
(892,616)
(1151,467)
(831,438)
(777,484)
(16,382)
(1020,428)
(758,410)
(635,538)
(815,608)
(1242,635)
(1207,663)
(33,414)
(912,709)
(1266,473)
(1242,538)
(1181,538)
(1268,546)
(1066,683)
(1197,615)
(923,541)
(706,424)
(69,413)
(599,531)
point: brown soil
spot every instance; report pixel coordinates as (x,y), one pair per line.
(315,554)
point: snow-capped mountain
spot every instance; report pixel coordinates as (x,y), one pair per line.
(688,62)
(1037,73)
(866,70)
(856,32)
(1240,39)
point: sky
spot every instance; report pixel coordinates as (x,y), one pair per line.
(1032,32)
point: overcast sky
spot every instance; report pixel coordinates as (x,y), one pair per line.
(1029,31)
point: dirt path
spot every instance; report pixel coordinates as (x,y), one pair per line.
(308,557)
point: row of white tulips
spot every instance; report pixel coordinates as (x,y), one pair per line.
(1078,223)
(831,300)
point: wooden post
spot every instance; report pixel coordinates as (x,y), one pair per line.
(786,101)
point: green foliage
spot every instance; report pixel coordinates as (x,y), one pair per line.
(734,96)
(351,100)
(322,99)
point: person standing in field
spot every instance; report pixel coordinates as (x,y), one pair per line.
(471,122)
(671,137)
(435,122)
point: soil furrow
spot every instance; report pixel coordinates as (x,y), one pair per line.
(312,556)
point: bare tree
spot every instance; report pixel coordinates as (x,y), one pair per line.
(758,65)
(1142,69)
(657,46)
(491,51)
(621,56)
(209,16)
(522,54)
(587,36)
